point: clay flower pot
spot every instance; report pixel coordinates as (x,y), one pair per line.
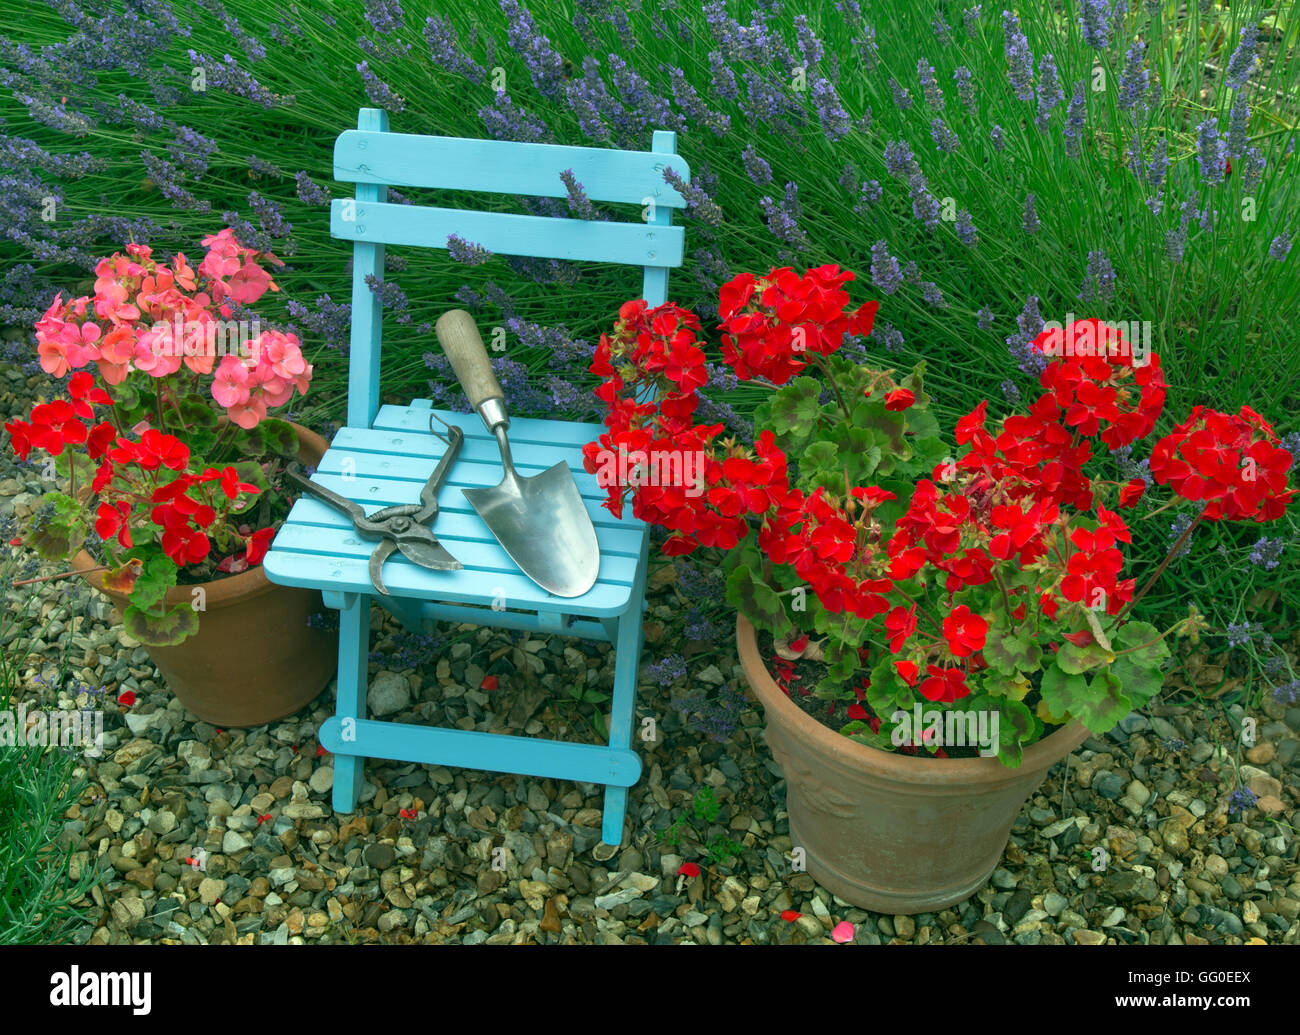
(254,659)
(891,832)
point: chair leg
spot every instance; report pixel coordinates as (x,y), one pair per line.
(627,660)
(354,657)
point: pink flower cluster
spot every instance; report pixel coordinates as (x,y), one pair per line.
(156,317)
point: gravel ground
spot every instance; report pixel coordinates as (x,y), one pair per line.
(415,863)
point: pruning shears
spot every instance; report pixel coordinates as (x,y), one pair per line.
(405,526)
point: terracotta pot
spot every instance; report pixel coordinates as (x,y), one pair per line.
(254,659)
(890,832)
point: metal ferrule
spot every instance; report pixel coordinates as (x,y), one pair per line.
(493,412)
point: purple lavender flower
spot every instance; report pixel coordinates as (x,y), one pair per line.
(263,167)
(1267,553)
(1029,325)
(1177,528)
(1095,23)
(667,671)
(1019,57)
(310,193)
(1211,151)
(384,16)
(925,206)
(269,215)
(544,64)
(1099,280)
(724,79)
(391,296)
(831,113)
(966,229)
(1050,94)
(1134,80)
(379,92)
(699,205)
(885,272)
(899,159)
(1280,247)
(1287,693)
(1244,60)
(1029,221)
(783,220)
(932,295)
(1238,128)
(466,252)
(1242,800)
(944,138)
(809,45)
(579,204)
(999,141)
(941,30)
(902,99)
(1291,443)
(929,85)
(1159,164)
(890,336)
(965,89)
(505,121)
(984,319)
(1252,170)
(445,49)
(1010,392)
(867,48)
(757,169)
(1074,116)
(970,19)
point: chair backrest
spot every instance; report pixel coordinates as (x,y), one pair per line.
(376,159)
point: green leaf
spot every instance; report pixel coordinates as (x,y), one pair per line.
(250,442)
(793,409)
(1062,691)
(63,533)
(1012,651)
(196,413)
(1153,650)
(158,576)
(757,601)
(167,629)
(1105,703)
(912,382)
(281,439)
(1076,660)
(1140,683)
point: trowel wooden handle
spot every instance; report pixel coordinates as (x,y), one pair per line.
(459,338)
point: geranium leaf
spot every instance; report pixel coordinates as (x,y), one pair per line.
(1012,651)
(1076,660)
(122,580)
(167,629)
(1145,636)
(61,534)
(757,601)
(281,439)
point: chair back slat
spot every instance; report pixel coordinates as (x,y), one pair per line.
(636,244)
(505,167)
(375,159)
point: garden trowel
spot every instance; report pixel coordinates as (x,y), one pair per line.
(540,520)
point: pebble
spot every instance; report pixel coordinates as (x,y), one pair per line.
(322,779)
(388,694)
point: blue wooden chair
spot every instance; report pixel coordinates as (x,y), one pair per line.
(384,454)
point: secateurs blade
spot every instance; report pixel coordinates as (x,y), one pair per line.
(405,526)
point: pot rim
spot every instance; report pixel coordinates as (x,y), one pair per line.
(232,589)
(842,751)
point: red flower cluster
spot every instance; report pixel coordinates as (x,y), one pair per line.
(769,323)
(824,545)
(701,489)
(61,423)
(1230,462)
(1095,381)
(1092,572)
